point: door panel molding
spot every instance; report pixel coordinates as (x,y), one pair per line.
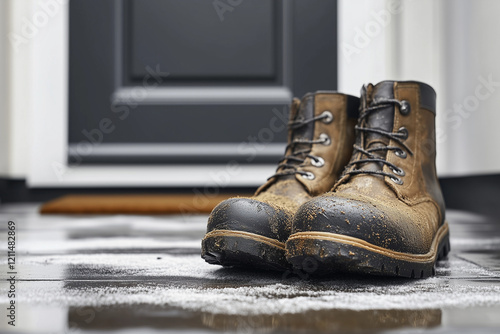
(172,153)
(205,95)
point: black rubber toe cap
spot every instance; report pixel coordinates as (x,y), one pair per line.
(250,215)
(392,228)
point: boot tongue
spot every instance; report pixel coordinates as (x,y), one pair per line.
(300,111)
(380,119)
(304,111)
(304,132)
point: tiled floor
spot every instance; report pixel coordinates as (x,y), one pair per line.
(141,274)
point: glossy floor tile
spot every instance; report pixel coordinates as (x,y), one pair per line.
(143,274)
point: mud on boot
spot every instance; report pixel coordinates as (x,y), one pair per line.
(251,232)
(386,215)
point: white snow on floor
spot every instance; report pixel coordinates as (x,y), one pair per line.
(112,244)
(277,298)
(252,293)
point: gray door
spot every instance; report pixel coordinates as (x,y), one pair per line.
(192,81)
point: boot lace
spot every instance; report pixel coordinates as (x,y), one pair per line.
(300,156)
(367,154)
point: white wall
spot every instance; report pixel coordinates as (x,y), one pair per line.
(449,44)
(361,58)
(471,53)
(4,83)
(15,90)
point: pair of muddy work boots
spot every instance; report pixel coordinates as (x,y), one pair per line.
(356,191)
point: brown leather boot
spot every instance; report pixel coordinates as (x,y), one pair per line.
(252,231)
(386,215)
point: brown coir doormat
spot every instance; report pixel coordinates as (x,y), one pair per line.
(134,204)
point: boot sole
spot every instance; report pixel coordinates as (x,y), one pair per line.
(327,253)
(243,249)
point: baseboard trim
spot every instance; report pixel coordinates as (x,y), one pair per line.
(478,193)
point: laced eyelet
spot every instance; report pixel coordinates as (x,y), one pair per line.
(327,116)
(398,171)
(308,176)
(396,180)
(405,108)
(318,162)
(325,139)
(400,153)
(402,130)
